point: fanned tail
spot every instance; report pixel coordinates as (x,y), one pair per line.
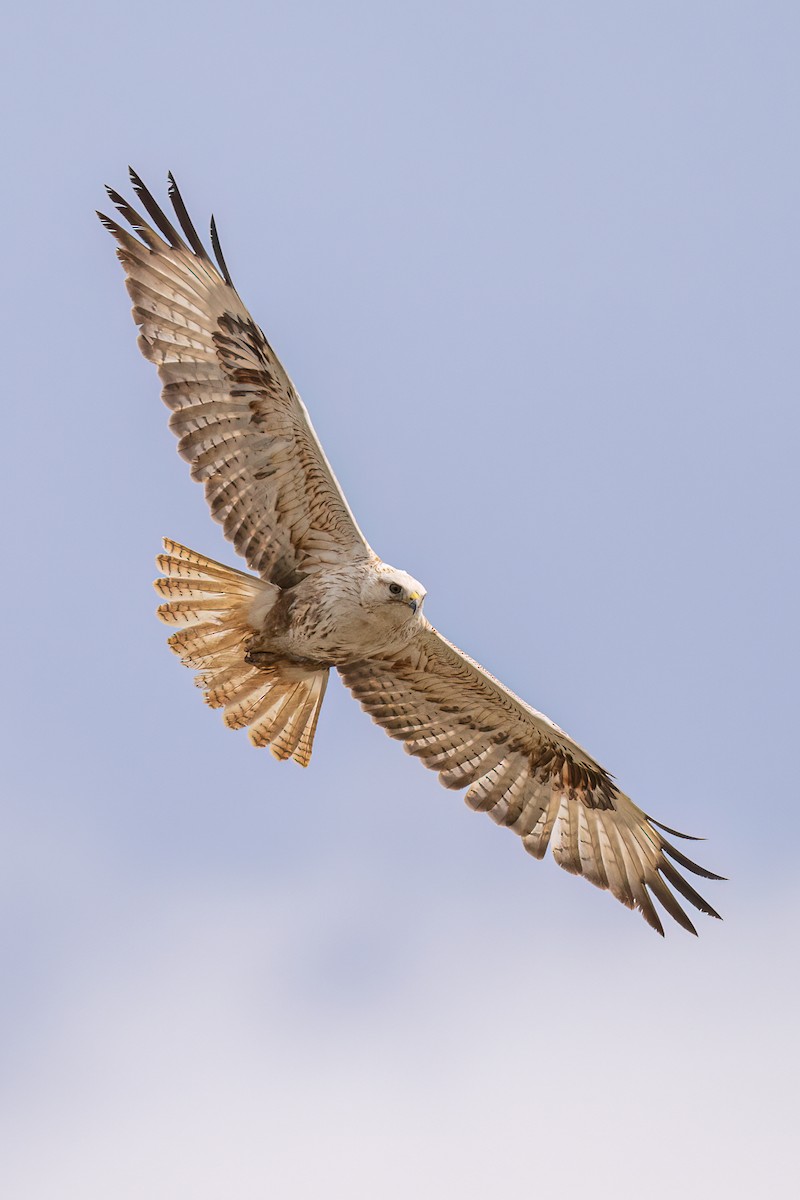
(219,609)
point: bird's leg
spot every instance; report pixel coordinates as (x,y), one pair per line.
(256,656)
(262,659)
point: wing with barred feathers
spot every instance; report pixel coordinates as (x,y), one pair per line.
(240,422)
(524,772)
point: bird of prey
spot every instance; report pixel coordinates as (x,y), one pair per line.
(263,644)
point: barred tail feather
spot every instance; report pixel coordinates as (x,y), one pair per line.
(288,722)
(219,609)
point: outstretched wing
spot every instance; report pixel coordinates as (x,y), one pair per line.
(241,424)
(524,772)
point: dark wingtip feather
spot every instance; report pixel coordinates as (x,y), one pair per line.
(134,219)
(136,181)
(157,215)
(683,886)
(689,864)
(687,837)
(116,199)
(659,928)
(123,236)
(217,248)
(666,899)
(184,219)
(644,904)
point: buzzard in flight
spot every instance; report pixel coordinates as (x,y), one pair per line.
(264,644)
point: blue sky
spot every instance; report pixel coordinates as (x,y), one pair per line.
(533,268)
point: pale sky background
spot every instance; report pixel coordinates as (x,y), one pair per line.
(534,269)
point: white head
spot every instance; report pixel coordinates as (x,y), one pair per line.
(387,586)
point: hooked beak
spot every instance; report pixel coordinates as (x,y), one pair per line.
(414,601)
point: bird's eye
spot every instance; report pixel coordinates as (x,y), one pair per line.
(395,589)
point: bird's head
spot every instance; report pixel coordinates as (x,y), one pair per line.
(390,586)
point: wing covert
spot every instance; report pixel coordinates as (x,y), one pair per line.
(525,772)
(241,425)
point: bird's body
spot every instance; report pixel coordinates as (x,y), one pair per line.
(342,615)
(263,644)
